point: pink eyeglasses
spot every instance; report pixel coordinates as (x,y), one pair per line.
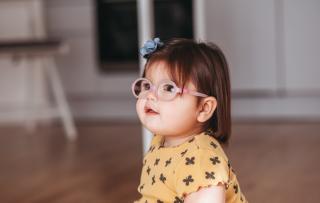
(166,90)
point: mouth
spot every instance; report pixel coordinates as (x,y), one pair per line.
(150,111)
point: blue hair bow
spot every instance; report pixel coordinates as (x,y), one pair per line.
(150,46)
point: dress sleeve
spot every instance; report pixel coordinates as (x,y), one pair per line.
(201,168)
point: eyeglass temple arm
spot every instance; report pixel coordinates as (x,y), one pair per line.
(194,93)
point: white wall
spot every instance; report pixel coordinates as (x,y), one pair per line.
(266,43)
(92,95)
(302,42)
(18,76)
(245,30)
(272,48)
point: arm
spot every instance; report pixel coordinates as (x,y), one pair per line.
(212,194)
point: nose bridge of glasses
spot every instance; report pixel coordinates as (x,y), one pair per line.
(153,88)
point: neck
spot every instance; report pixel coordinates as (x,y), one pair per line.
(175,141)
(171,141)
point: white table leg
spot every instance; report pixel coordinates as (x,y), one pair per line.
(60,97)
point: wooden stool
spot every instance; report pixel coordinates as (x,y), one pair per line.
(45,50)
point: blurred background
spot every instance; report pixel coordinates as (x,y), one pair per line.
(68,126)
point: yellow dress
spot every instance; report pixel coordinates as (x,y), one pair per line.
(169,174)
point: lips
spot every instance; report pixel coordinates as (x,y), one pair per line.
(150,110)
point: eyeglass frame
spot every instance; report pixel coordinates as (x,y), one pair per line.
(154,89)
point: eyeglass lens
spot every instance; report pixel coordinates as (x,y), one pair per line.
(165,90)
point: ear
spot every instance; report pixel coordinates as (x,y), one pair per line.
(206,109)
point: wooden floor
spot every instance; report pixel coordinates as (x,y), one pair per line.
(274,163)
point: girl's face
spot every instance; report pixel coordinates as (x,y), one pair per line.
(177,117)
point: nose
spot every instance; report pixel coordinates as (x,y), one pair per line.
(151,95)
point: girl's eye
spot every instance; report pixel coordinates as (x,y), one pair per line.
(168,88)
(145,86)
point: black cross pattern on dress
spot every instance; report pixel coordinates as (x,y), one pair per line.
(213,145)
(184,152)
(159,201)
(156,162)
(151,148)
(188,180)
(209,132)
(160,146)
(177,200)
(153,180)
(215,160)
(241,198)
(210,175)
(168,162)
(162,178)
(236,188)
(148,170)
(191,140)
(144,162)
(190,161)
(141,187)
(146,201)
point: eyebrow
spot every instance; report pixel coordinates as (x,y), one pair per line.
(149,79)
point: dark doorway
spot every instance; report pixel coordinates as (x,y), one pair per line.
(117,30)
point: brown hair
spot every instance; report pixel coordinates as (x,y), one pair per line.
(205,65)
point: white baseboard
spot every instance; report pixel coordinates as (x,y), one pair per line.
(123,109)
(286,108)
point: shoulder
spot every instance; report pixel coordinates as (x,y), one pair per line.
(202,166)
(204,154)
(204,141)
(204,145)
(199,158)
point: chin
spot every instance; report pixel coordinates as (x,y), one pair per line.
(158,131)
(152,129)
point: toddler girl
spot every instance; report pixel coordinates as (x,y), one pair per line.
(183,98)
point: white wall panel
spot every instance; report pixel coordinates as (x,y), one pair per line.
(245,30)
(302,45)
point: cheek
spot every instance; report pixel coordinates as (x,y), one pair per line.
(180,114)
(140,107)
